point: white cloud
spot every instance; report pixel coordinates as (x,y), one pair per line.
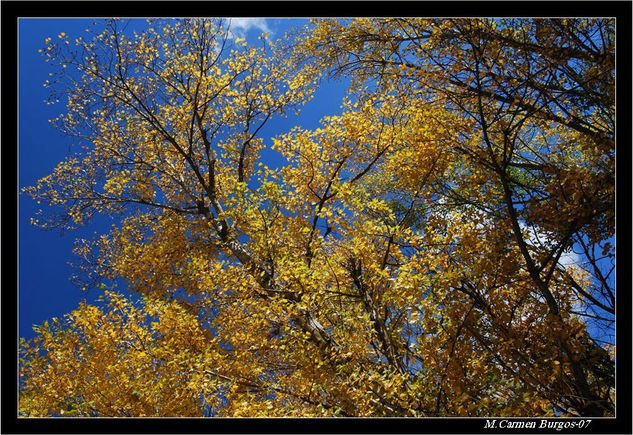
(536,238)
(239,27)
(569,258)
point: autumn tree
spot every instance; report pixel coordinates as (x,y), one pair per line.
(405,261)
(534,151)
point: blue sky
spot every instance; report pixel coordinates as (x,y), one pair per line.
(44,287)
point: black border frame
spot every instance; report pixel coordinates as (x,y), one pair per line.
(11,11)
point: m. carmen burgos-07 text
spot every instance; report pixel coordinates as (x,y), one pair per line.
(536,424)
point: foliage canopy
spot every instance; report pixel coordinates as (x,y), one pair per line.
(407,260)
